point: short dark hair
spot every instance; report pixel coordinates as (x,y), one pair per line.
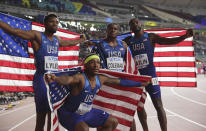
(112,24)
(133,19)
(46,18)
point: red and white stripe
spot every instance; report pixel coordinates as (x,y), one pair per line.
(120,102)
(175,64)
(16,73)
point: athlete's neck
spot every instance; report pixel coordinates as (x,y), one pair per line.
(139,34)
(112,41)
(90,76)
(48,34)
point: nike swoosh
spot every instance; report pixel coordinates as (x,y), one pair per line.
(156,92)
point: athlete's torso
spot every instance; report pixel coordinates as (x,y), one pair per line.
(114,55)
(82,103)
(46,58)
(143,53)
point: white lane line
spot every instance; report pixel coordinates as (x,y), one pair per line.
(17,109)
(184,118)
(22,122)
(156,116)
(201,91)
(203,104)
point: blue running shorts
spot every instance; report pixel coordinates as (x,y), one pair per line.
(94,118)
(40,93)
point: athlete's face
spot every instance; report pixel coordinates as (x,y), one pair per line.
(112,30)
(52,25)
(135,25)
(93,66)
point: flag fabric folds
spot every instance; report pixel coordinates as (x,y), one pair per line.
(121,102)
(175,64)
(57,94)
(16,55)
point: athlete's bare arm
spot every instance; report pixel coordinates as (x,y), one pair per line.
(105,80)
(31,35)
(169,41)
(66,43)
(124,44)
(64,80)
(27,35)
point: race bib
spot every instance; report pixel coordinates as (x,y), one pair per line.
(141,61)
(51,63)
(155,81)
(83,108)
(115,63)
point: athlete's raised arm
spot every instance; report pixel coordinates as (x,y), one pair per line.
(27,35)
(66,43)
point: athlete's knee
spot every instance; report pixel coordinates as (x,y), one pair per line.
(82,126)
(142,114)
(115,122)
(111,122)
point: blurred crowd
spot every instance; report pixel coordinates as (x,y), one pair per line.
(9,97)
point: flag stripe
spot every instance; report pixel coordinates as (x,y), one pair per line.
(176,74)
(118,91)
(68,58)
(16,71)
(114,112)
(174,64)
(174,59)
(178,84)
(115,107)
(17,65)
(120,97)
(165,49)
(20,88)
(5,82)
(122,103)
(181,44)
(177,79)
(16,76)
(16,59)
(175,69)
(174,53)
(123,121)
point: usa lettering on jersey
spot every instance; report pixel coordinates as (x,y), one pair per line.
(137,47)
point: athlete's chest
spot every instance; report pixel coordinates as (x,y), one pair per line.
(139,45)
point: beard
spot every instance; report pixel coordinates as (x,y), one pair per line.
(138,29)
(51,30)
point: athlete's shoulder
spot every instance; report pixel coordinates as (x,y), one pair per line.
(127,39)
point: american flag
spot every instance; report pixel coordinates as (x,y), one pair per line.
(57,94)
(175,64)
(16,55)
(121,102)
(118,101)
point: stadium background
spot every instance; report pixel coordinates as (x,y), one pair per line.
(92,16)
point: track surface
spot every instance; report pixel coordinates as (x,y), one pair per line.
(185,108)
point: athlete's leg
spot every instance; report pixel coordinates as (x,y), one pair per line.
(40,121)
(99,118)
(110,124)
(81,126)
(49,121)
(142,115)
(157,102)
(133,127)
(41,102)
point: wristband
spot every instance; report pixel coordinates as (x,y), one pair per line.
(130,83)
